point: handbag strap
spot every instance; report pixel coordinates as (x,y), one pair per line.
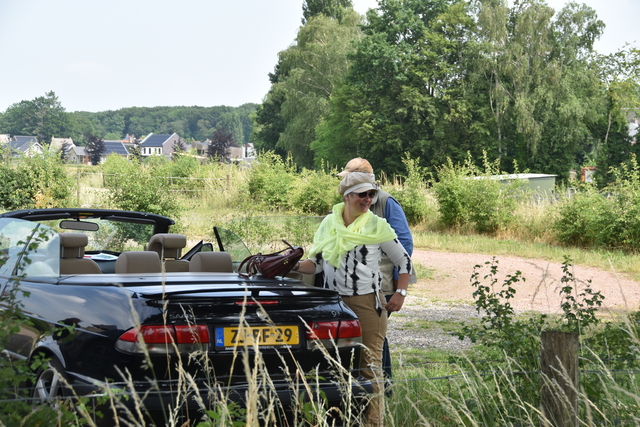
(288,244)
(250,261)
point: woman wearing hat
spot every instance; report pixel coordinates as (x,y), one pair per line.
(348,247)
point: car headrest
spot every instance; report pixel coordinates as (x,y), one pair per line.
(72,245)
(138,262)
(211,261)
(167,245)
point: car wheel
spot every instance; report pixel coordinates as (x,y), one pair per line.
(50,383)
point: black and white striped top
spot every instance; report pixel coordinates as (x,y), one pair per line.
(359,271)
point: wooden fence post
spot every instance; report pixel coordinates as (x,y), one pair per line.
(559,366)
(78,185)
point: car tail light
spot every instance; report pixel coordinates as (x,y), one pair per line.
(164,339)
(342,333)
(257,303)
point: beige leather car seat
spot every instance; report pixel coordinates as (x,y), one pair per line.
(212,262)
(72,259)
(169,248)
(138,262)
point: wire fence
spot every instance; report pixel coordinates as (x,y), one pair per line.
(171,182)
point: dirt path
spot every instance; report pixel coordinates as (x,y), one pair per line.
(451,274)
(447,294)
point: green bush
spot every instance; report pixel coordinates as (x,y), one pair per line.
(315,192)
(468,196)
(40,181)
(133,187)
(176,173)
(609,218)
(13,193)
(516,338)
(271,181)
(586,219)
(412,195)
(625,195)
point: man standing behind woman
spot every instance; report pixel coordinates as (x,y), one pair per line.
(385,206)
(348,247)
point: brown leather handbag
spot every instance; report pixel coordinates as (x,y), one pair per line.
(271,265)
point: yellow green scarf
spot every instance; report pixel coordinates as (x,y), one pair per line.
(333,239)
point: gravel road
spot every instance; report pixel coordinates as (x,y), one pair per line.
(447,293)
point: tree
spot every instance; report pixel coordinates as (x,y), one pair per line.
(306,75)
(191,123)
(329,8)
(179,147)
(620,80)
(541,91)
(135,153)
(63,150)
(402,91)
(221,141)
(233,124)
(268,122)
(43,117)
(95,149)
(438,79)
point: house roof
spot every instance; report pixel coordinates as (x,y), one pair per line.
(115,146)
(79,150)
(57,143)
(61,143)
(153,140)
(23,143)
(23,139)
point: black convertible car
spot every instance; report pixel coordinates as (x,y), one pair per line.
(118,304)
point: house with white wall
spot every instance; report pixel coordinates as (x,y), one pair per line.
(24,146)
(159,145)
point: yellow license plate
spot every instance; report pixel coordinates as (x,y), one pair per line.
(264,336)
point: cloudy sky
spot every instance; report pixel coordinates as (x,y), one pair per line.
(106,55)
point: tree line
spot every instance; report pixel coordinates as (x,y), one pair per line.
(441,79)
(435,80)
(45,117)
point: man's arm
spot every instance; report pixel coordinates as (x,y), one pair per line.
(396,218)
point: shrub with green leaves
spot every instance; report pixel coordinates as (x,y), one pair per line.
(315,192)
(607,218)
(271,181)
(516,338)
(412,195)
(175,173)
(40,181)
(469,196)
(133,188)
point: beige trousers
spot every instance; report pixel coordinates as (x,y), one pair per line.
(374,330)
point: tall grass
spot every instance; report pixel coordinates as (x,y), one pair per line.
(477,388)
(444,394)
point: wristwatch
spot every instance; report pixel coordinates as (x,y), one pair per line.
(402,292)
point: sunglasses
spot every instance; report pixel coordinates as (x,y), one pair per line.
(364,194)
